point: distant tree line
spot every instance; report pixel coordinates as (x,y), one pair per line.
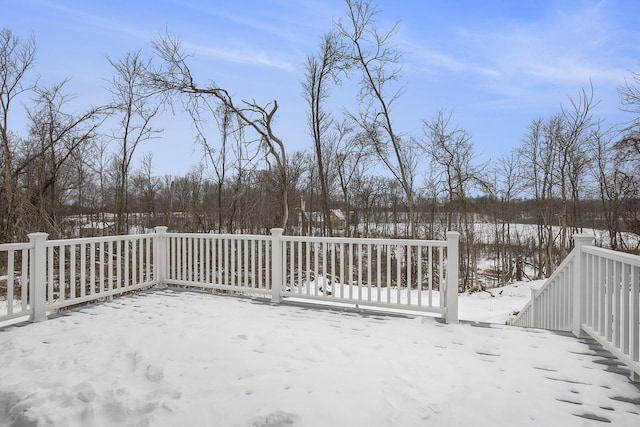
(72,172)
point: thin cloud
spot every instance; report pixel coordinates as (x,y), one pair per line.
(437,61)
(284,19)
(97,20)
(240,56)
(565,48)
(261,25)
(234,55)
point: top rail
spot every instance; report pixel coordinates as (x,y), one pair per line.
(612,255)
(98,239)
(366,240)
(6,247)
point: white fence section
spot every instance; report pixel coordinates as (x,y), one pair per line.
(47,275)
(15,291)
(398,274)
(407,274)
(228,262)
(43,276)
(596,291)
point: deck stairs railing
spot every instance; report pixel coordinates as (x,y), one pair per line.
(594,291)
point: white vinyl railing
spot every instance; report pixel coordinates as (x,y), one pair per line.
(81,270)
(400,274)
(47,275)
(15,280)
(406,274)
(612,302)
(228,262)
(551,306)
(595,291)
(43,276)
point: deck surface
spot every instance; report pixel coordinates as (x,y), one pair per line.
(173,358)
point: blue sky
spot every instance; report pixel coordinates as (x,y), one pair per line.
(497,65)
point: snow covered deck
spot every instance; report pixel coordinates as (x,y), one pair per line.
(174,358)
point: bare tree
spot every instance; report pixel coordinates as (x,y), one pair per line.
(540,152)
(630,97)
(135,110)
(572,131)
(217,156)
(229,158)
(611,184)
(627,161)
(451,152)
(555,152)
(82,187)
(351,157)
(54,137)
(16,59)
(508,186)
(629,144)
(175,77)
(378,62)
(220,162)
(145,186)
(320,70)
(97,163)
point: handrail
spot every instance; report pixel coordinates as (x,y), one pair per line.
(15,246)
(528,316)
(613,255)
(373,240)
(594,291)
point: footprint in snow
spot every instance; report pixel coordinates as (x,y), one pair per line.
(275,419)
(256,342)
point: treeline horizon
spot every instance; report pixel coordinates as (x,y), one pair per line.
(189,203)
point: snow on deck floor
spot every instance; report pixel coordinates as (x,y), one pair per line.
(180,358)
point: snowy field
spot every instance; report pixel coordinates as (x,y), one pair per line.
(497,304)
(179,358)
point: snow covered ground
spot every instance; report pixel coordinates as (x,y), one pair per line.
(181,358)
(497,304)
(493,306)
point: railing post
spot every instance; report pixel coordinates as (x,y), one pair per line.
(276,264)
(579,282)
(160,257)
(38,273)
(532,308)
(451,294)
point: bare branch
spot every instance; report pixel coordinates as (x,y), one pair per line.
(174,77)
